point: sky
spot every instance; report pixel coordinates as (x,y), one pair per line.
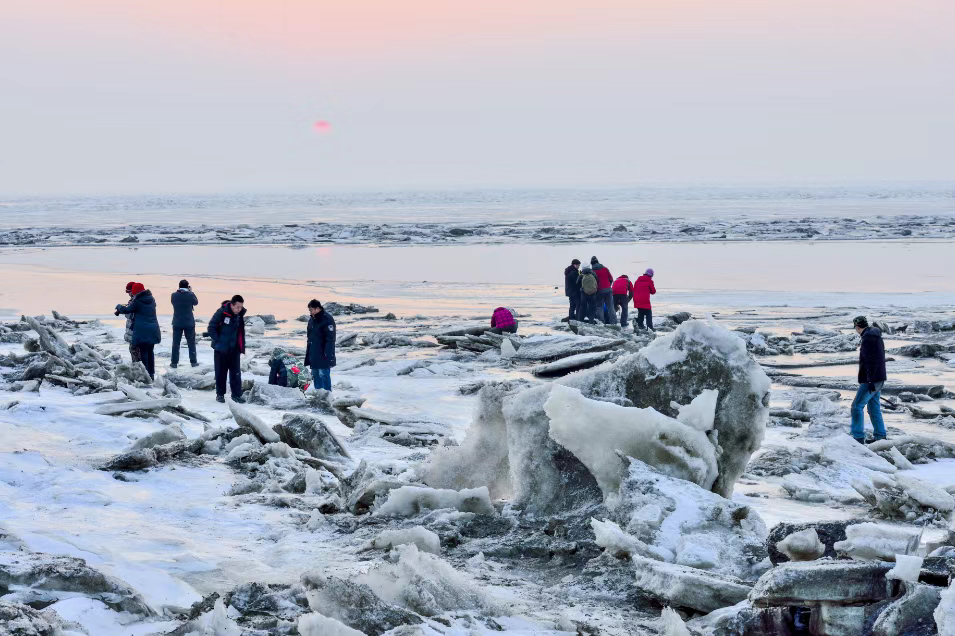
(150,96)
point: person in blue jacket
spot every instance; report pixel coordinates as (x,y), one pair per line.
(227,331)
(146,334)
(183,323)
(320,348)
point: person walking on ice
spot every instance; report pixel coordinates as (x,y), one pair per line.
(320,346)
(183,323)
(642,290)
(871,379)
(227,331)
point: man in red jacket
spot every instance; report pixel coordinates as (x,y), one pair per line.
(622,294)
(642,290)
(604,291)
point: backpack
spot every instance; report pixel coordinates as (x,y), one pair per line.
(588,283)
(293,374)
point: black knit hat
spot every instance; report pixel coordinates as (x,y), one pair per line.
(860,321)
(593,260)
(183,283)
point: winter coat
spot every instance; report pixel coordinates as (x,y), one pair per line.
(183,301)
(145,324)
(604,277)
(623,287)
(642,290)
(502,318)
(320,348)
(227,330)
(571,281)
(871,357)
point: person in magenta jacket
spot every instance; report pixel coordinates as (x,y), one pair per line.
(622,294)
(643,288)
(604,291)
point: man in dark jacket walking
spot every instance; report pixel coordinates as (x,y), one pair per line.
(604,291)
(320,347)
(572,288)
(871,378)
(227,331)
(146,334)
(183,322)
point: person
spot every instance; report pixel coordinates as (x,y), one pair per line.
(588,294)
(183,322)
(146,334)
(320,347)
(604,291)
(643,288)
(227,331)
(871,379)
(128,335)
(284,370)
(572,288)
(503,320)
(622,295)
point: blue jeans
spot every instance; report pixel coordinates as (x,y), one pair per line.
(322,378)
(605,300)
(867,399)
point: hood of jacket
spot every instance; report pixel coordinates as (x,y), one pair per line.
(569,269)
(587,269)
(145,297)
(598,266)
(227,305)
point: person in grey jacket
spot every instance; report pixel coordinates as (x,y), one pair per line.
(183,323)
(128,335)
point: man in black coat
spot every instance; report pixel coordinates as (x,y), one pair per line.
(320,348)
(572,289)
(145,330)
(227,331)
(183,322)
(871,378)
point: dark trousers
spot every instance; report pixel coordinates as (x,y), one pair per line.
(574,307)
(147,358)
(645,313)
(500,330)
(622,301)
(605,300)
(228,364)
(588,305)
(190,333)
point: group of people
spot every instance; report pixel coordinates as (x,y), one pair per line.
(593,293)
(226,332)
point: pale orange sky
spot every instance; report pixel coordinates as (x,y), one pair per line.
(209,95)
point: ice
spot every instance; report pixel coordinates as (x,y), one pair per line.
(426,540)
(873,541)
(672,624)
(842,448)
(945,612)
(426,584)
(318,625)
(507,349)
(354,604)
(926,494)
(621,545)
(907,568)
(214,623)
(245,417)
(687,587)
(802,546)
(409,501)
(595,432)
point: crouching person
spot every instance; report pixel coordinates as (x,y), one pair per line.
(320,347)
(503,320)
(285,370)
(227,331)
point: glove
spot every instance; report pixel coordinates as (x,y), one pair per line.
(115,313)
(871,387)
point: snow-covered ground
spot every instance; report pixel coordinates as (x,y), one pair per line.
(180,531)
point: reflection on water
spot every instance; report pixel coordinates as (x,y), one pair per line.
(452,279)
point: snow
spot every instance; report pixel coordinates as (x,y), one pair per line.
(610,537)
(408,501)
(945,612)
(907,568)
(595,432)
(672,624)
(880,542)
(700,413)
(215,623)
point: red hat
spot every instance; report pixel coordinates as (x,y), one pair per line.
(137,287)
(129,286)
